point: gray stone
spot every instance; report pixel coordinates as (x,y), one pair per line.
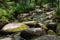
(48,37)
(7,38)
(36,31)
(32,32)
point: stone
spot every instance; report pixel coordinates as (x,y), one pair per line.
(52,25)
(30,22)
(38,10)
(18,37)
(6,38)
(51,32)
(49,13)
(32,32)
(48,37)
(42,26)
(14,27)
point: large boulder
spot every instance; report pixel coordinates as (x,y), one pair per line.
(32,32)
(14,27)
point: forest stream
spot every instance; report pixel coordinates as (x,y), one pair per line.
(30,20)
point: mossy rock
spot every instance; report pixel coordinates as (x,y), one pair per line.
(14,27)
(30,22)
(50,32)
(58,28)
(27,18)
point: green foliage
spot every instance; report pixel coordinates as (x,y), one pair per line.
(58,28)
(52,3)
(58,11)
(25,5)
(9,7)
(2,12)
(50,32)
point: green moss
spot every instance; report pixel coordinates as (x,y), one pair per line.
(50,32)
(27,18)
(58,28)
